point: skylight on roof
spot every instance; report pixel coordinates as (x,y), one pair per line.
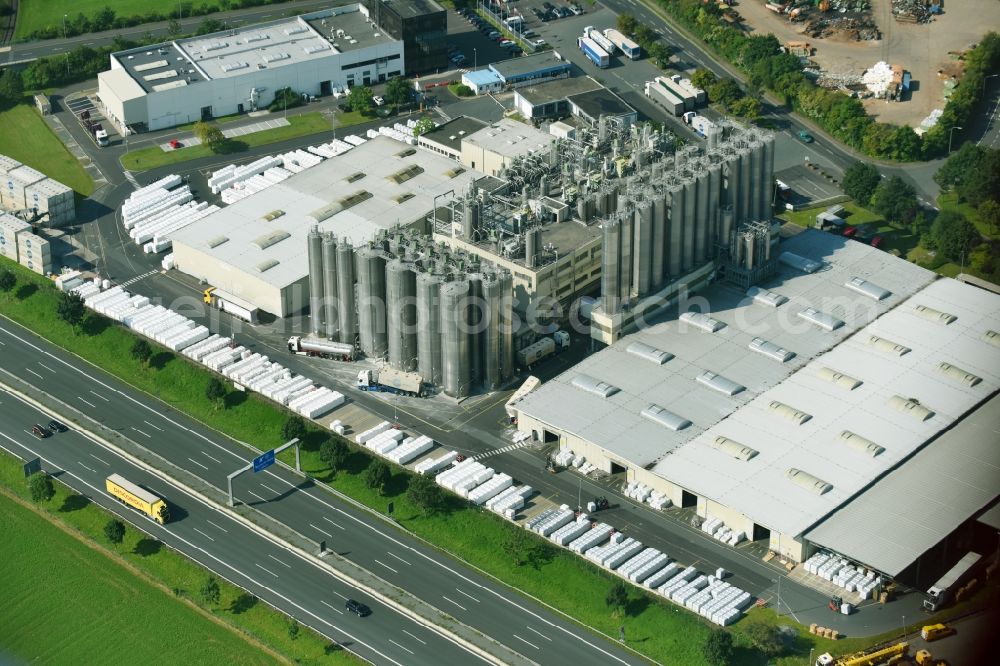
(595,386)
(649,353)
(866,288)
(665,418)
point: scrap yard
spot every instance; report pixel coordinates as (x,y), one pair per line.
(866,49)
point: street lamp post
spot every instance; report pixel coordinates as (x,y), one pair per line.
(950,135)
(475,59)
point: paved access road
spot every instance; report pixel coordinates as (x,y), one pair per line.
(270,571)
(365,539)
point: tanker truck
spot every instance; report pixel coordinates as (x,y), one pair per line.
(338,351)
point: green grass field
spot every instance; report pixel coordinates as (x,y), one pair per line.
(299,125)
(71,604)
(35,15)
(27,138)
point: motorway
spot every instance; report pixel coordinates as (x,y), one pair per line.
(362,537)
(260,565)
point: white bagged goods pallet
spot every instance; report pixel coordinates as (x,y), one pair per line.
(555,521)
(193,336)
(304,398)
(459,471)
(478,478)
(490,489)
(602,532)
(320,406)
(354,140)
(626,549)
(639,562)
(433,465)
(363,437)
(513,501)
(412,450)
(662,576)
(571,531)
(291,389)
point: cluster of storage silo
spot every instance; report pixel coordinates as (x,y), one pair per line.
(421,307)
(680,212)
(24,188)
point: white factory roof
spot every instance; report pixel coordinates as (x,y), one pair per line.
(819,441)
(617,424)
(239,235)
(510,138)
(918,504)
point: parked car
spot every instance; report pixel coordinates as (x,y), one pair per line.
(379,100)
(805,136)
(56,426)
(357,608)
(493,34)
(849,232)
(877,241)
(39,431)
(505,42)
(175,144)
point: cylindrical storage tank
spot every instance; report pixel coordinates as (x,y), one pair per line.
(745,193)
(530,249)
(675,229)
(476,328)
(348,332)
(506,326)
(703,218)
(612,199)
(767,178)
(626,258)
(726,231)
(401,314)
(454,338)
(756,178)
(330,291)
(581,208)
(643,244)
(690,221)
(659,240)
(314,245)
(429,327)
(370,268)
(543,186)
(714,194)
(491,335)
(750,259)
(602,205)
(610,261)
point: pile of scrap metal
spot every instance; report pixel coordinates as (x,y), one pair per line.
(915,11)
(855,25)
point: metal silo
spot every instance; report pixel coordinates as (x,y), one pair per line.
(745,193)
(429,327)
(401,314)
(703,216)
(370,268)
(454,338)
(530,248)
(345,294)
(330,291)
(726,230)
(627,257)
(476,327)
(491,335)
(506,326)
(643,248)
(675,229)
(659,240)
(767,177)
(610,261)
(689,222)
(756,178)
(314,246)
(714,197)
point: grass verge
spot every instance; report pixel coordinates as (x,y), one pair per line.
(300,125)
(895,240)
(27,138)
(654,627)
(134,598)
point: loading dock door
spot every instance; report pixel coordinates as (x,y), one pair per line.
(688,499)
(325,88)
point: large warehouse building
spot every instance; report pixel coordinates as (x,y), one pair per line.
(791,410)
(255,248)
(236,71)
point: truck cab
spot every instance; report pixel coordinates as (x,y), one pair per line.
(561,339)
(101,137)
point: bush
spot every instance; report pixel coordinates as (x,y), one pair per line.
(954,236)
(860,181)
(463,90)
(285,98)
(40,487)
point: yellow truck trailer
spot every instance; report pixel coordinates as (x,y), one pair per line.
(138,498)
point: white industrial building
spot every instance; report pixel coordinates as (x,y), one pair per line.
(236,71)
(256,248)
(25,189)
(772,410)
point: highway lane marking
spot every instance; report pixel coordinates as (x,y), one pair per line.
(99,460)
(467,594)
(400,646)
(270,488)
(326,534)
(524,641)
(332,523)
(336,609)
(203,534)
(222,563)
(100,396)
(359,521)
(35,373)
(279,561)
(196,462)
(85,467)
(153,426)
(414,637)
(398,558)
(84,401)
(339,595)
(217,526)
(267,570)
(212,457)
(47,367)
(257,496)
(455,602)
(387,567)
(539,633)
(141,432)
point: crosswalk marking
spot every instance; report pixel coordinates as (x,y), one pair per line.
(135,279)
(130,178)
(503,449)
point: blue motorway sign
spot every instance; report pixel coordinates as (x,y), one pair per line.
(263,461)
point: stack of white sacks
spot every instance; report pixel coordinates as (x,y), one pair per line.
(244,367)
(153,212)
(843,573)
(718,531)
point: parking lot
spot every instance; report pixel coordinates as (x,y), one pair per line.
(88,115)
